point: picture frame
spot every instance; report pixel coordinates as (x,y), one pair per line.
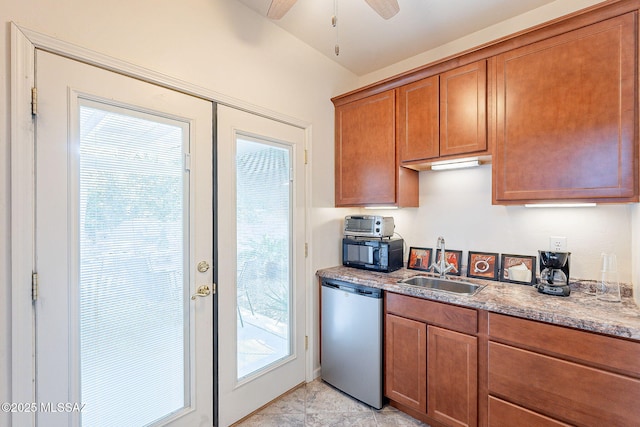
(419,258)
(511,270)
(453,257)
(483,265)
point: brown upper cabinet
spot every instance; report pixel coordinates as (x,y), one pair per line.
(419,120)
(565,117)
(444,115)
(555,107)
(463,110)
(366,160)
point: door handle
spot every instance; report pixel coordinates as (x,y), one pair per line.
(203,291)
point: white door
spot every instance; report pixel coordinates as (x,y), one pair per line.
(123,218)
(261,223)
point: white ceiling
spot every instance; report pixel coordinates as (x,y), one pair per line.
(368,42)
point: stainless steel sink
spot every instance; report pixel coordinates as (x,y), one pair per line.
(435,283)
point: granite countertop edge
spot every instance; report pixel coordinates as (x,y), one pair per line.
(580,310)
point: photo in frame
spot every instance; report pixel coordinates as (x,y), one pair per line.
(419,258)
(452,257)
(518,269)
(483,265)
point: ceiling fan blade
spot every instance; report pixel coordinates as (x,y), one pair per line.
(279,8)
(385,8)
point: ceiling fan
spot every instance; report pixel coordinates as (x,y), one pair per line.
(385,8)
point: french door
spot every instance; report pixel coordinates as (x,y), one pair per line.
(124,239)
(261,220)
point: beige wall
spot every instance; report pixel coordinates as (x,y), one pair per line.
(457,205)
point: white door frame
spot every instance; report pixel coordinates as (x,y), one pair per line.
(24,42)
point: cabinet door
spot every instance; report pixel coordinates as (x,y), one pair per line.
(406,362)
(565,117)
(452,377)
(463,110)
(366,151)
(418,134)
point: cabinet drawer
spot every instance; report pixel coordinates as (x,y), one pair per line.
(564,390)
(434,313)
(610,353)
(505,414)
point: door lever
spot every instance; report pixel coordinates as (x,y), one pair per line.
(203,291)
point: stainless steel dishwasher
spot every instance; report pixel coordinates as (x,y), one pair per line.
(351,340)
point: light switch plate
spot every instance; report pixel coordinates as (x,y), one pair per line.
(558,244)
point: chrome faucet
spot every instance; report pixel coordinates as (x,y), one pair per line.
(442,266)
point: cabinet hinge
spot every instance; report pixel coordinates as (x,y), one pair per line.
(34,286)
(306,157)
(306,342)
(306,250)
(34,101)
(213,288)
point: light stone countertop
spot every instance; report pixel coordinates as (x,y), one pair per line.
(579,310)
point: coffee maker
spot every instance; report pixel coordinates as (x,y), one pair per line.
(554,273)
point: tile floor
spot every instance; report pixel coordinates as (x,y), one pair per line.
(319,404)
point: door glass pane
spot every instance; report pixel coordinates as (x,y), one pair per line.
(134,326)
(263,254)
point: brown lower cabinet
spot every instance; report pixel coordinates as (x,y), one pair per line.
(431,370)
(453,366)
(546,375)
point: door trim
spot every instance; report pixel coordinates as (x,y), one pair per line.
(22,223)
(24,43)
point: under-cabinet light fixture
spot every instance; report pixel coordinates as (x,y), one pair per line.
(560,205)
(455,164)
(381,207)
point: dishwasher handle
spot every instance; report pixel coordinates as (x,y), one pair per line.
(353,288)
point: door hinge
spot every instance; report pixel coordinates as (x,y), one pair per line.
(213,288)
(306,342)
(34,101)
(187,161)
(306,250)
(34,286)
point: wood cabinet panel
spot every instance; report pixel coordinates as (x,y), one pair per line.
(367,166)
(435,313)
(601,351)
(565,116)
(418,120)
(365,158)
(564,390)
(463,110)
(505,414)
(406,362)
(452,375)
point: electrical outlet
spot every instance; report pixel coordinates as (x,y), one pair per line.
(558,244)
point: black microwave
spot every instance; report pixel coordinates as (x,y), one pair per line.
(373,254)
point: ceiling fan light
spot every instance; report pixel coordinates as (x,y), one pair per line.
(279,8)
(385,8)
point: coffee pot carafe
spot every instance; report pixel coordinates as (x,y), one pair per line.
(554,273)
